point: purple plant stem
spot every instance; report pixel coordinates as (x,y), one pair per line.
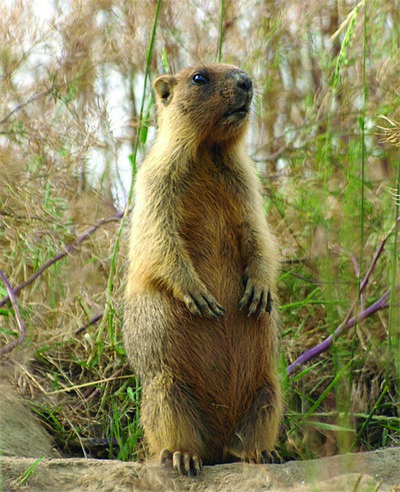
(70,247)
(92,321)
(22,331)
(357,270)
(309,354)
(348,323)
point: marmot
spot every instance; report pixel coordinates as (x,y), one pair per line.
(200,325)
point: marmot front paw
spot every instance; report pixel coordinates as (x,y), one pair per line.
(202,303)
(256,297)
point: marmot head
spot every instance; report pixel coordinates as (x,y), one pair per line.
(207,103)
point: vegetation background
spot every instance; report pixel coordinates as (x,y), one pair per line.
(76,118)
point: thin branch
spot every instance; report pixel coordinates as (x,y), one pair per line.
(30,100)
(310,354)
(92,321)
(22,332)
(348,323)
(70,247)
(358,274)
(377,255)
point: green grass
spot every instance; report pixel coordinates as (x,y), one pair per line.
(22,480)
(328,204)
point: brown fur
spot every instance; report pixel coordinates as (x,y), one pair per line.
(200,251)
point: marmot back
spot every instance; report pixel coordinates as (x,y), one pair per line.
(200,325)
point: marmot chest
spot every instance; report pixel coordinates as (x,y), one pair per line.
(212,218)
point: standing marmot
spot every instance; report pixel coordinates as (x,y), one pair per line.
(200,327)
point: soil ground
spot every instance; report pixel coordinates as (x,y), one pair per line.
(372,471)
(29,463)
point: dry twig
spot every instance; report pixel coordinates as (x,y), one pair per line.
(70,247)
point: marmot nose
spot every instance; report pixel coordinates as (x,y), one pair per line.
(244,82)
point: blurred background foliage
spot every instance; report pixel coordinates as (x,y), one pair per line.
(76,118)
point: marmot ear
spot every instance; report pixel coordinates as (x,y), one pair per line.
(164,87)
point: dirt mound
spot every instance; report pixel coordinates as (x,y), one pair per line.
(20,433)
(376,470)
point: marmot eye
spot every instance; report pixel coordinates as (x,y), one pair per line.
(199,79)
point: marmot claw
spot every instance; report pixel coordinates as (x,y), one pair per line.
(184,463)
(204,304)
(257,298)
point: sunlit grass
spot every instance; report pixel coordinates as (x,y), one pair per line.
(332,193)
